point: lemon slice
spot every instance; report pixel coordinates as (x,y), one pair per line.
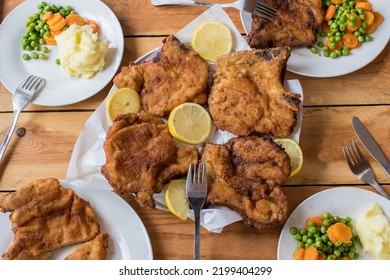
(295,153)
(189,123)
(212,39)
(176,198)
(121,101)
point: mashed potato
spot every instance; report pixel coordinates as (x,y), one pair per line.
(81,52)
(373,228)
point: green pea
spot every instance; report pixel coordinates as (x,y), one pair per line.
(368,38)
(325,238)
(45,50)
(42,56)
(333,55)
(318,244)
(314,50)
(293,230)
(304,238)
(320,44)
(58,61)
(360,38)
(309,241)
(345,52)
(301,244)
(357,33)
(41,41)
(26,56)
(34,55)
(338,38)
(303,231)
(325,48)
(330,257)
(362,17)
(326,53)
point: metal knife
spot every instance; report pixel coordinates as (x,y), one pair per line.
(370,144)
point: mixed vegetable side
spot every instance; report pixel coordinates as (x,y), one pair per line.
(326,237)
(347,24)
(49,21)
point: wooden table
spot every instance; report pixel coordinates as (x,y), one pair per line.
(329,105)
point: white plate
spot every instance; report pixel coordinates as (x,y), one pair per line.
(129,239)
(342,202)
(303,62)
(60,89)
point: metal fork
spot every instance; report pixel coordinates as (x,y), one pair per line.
(255,7)
(360,167)
(22,96)
(196,193)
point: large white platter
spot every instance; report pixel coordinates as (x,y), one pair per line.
(60,89)
(343,202)
(303,62)
(129,239)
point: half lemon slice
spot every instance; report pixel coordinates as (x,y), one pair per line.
(190,123)
(122,101)
(212,39)
(294,151)
(176,198)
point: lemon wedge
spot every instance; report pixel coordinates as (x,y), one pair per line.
(294,151)
(190,123)
(212,39)
(122,101)
(176,198)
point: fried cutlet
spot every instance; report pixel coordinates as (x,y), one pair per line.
(141,156)
(45,216)
(174,76)
(248,96)
(245,174)
(295,25)
(96,249)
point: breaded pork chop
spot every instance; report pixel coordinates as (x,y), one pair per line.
(248,96)
(174,76)
(45,216)
(295,25)
(245,175)
(141,156)
(96,249)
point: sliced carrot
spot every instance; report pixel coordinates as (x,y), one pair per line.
(378,18)
(330,12)
(356,25)
(311,253)
(350,40)
(49,40)
(46,16)
(363,5)
(325,27)
(93,25)
(56,18)
(339,45)
(370,28)
(368,17)
(321,257)
(316,219)
(58,26)
(339,232)
(299,254)
(55,33)
(75,19)
(336,2)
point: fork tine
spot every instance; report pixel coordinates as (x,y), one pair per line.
(362,157)
(350,163)
(189,174)
(263,7)
(27,81)
(351,153)
(31,85)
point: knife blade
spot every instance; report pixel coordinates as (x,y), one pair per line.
(370,144)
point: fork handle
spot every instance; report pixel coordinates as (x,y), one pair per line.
(197,235)
(9,133)
(380,190)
